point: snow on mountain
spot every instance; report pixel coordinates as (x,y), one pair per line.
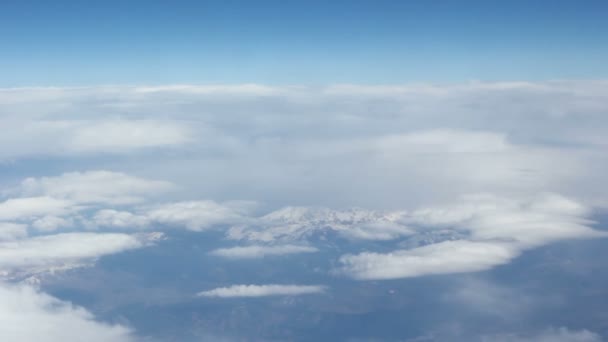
(301,223)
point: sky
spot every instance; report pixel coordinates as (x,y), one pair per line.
(303,171)
(299,42)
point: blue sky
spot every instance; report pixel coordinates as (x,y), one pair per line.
(299,42)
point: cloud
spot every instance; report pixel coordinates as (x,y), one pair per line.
(443,141)
(125,135)
(12,231)
(96,186)
(28,315)
(312,151)
(61,202)
(192,215)
(549,335)
(241,89)
(254,252)
(43,253)
(365,146)
(499,229)
(41,136)
(32,207)
(538,220)
(90,199)
(262,291)
(438,258)
(198,215)
(51,223)
(119,219)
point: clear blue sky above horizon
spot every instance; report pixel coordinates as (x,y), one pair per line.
(299,42)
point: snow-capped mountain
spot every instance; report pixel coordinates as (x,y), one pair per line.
(301,223)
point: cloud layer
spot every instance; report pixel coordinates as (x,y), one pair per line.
(339,146)
(420,179)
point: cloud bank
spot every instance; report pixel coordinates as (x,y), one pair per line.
(365,146)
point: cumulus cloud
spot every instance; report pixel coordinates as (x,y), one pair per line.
(498,229)
(262,291)
(529,221)
(43,253)
(119,200)
(51,223)
(439,258)
(32,207)
(28,315)
(61,202)
(119,219)
(254,252)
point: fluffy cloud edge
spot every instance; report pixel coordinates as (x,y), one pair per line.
(29,315)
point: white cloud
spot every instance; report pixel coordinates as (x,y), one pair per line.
(439,258)
(498,229)
(119,219)
(12,231)
(48,136)
(32,207)
(549,335)
(367,146)
(253,252)
(198,215)
(52,203)
(377,147)
(380,231)
(97,186)
(242,89)
(51,223)
(191,215)
(534,221)
(125,135)
(443,141)
(28,315)
(43,253)
(262,290)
